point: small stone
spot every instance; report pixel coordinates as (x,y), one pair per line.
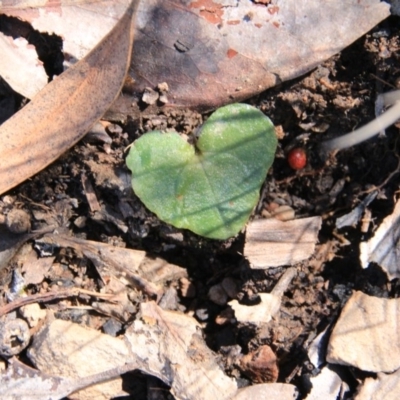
(202,314)
(14,337)
(260,365)
(32,313)
(18,221)
(163,87)
(328,385)
(231,287)
(150,96)
(169,300)
(112,327)
(218,295)
(8,200)
(385,386)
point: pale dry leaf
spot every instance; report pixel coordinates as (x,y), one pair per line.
(174,351)
(22,382)
(271,243)
(281,391)
(382,248)
(328,385)
(385,386)
(66,108)
(23,70)
(260,313)
(269,305)
(366,334)
(68,350)
(317,349)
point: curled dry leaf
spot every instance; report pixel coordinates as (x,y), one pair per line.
(328,385)
(140,269)
(66,108)
(270,303)
(382,248)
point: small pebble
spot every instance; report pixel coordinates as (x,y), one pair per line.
(14,337)
(18,221)
(218,295)
(112,327)
(169,300)
(260,365)
(231,287)
(202,314)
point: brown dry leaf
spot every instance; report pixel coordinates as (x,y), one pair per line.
(66,108)
(271,243)
(211,52)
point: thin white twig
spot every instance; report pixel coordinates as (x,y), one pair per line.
(372,128)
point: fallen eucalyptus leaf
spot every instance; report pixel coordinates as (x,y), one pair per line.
(216,52)
(213,187)
(211,52)
(66,108)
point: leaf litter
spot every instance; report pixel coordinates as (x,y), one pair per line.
(322,285)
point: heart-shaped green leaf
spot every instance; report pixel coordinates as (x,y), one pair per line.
(213,187)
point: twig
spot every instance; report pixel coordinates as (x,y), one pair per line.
(49,296)
(372,128)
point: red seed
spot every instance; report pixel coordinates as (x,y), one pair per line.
(297,158)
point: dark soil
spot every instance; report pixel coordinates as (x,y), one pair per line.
(335,98)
